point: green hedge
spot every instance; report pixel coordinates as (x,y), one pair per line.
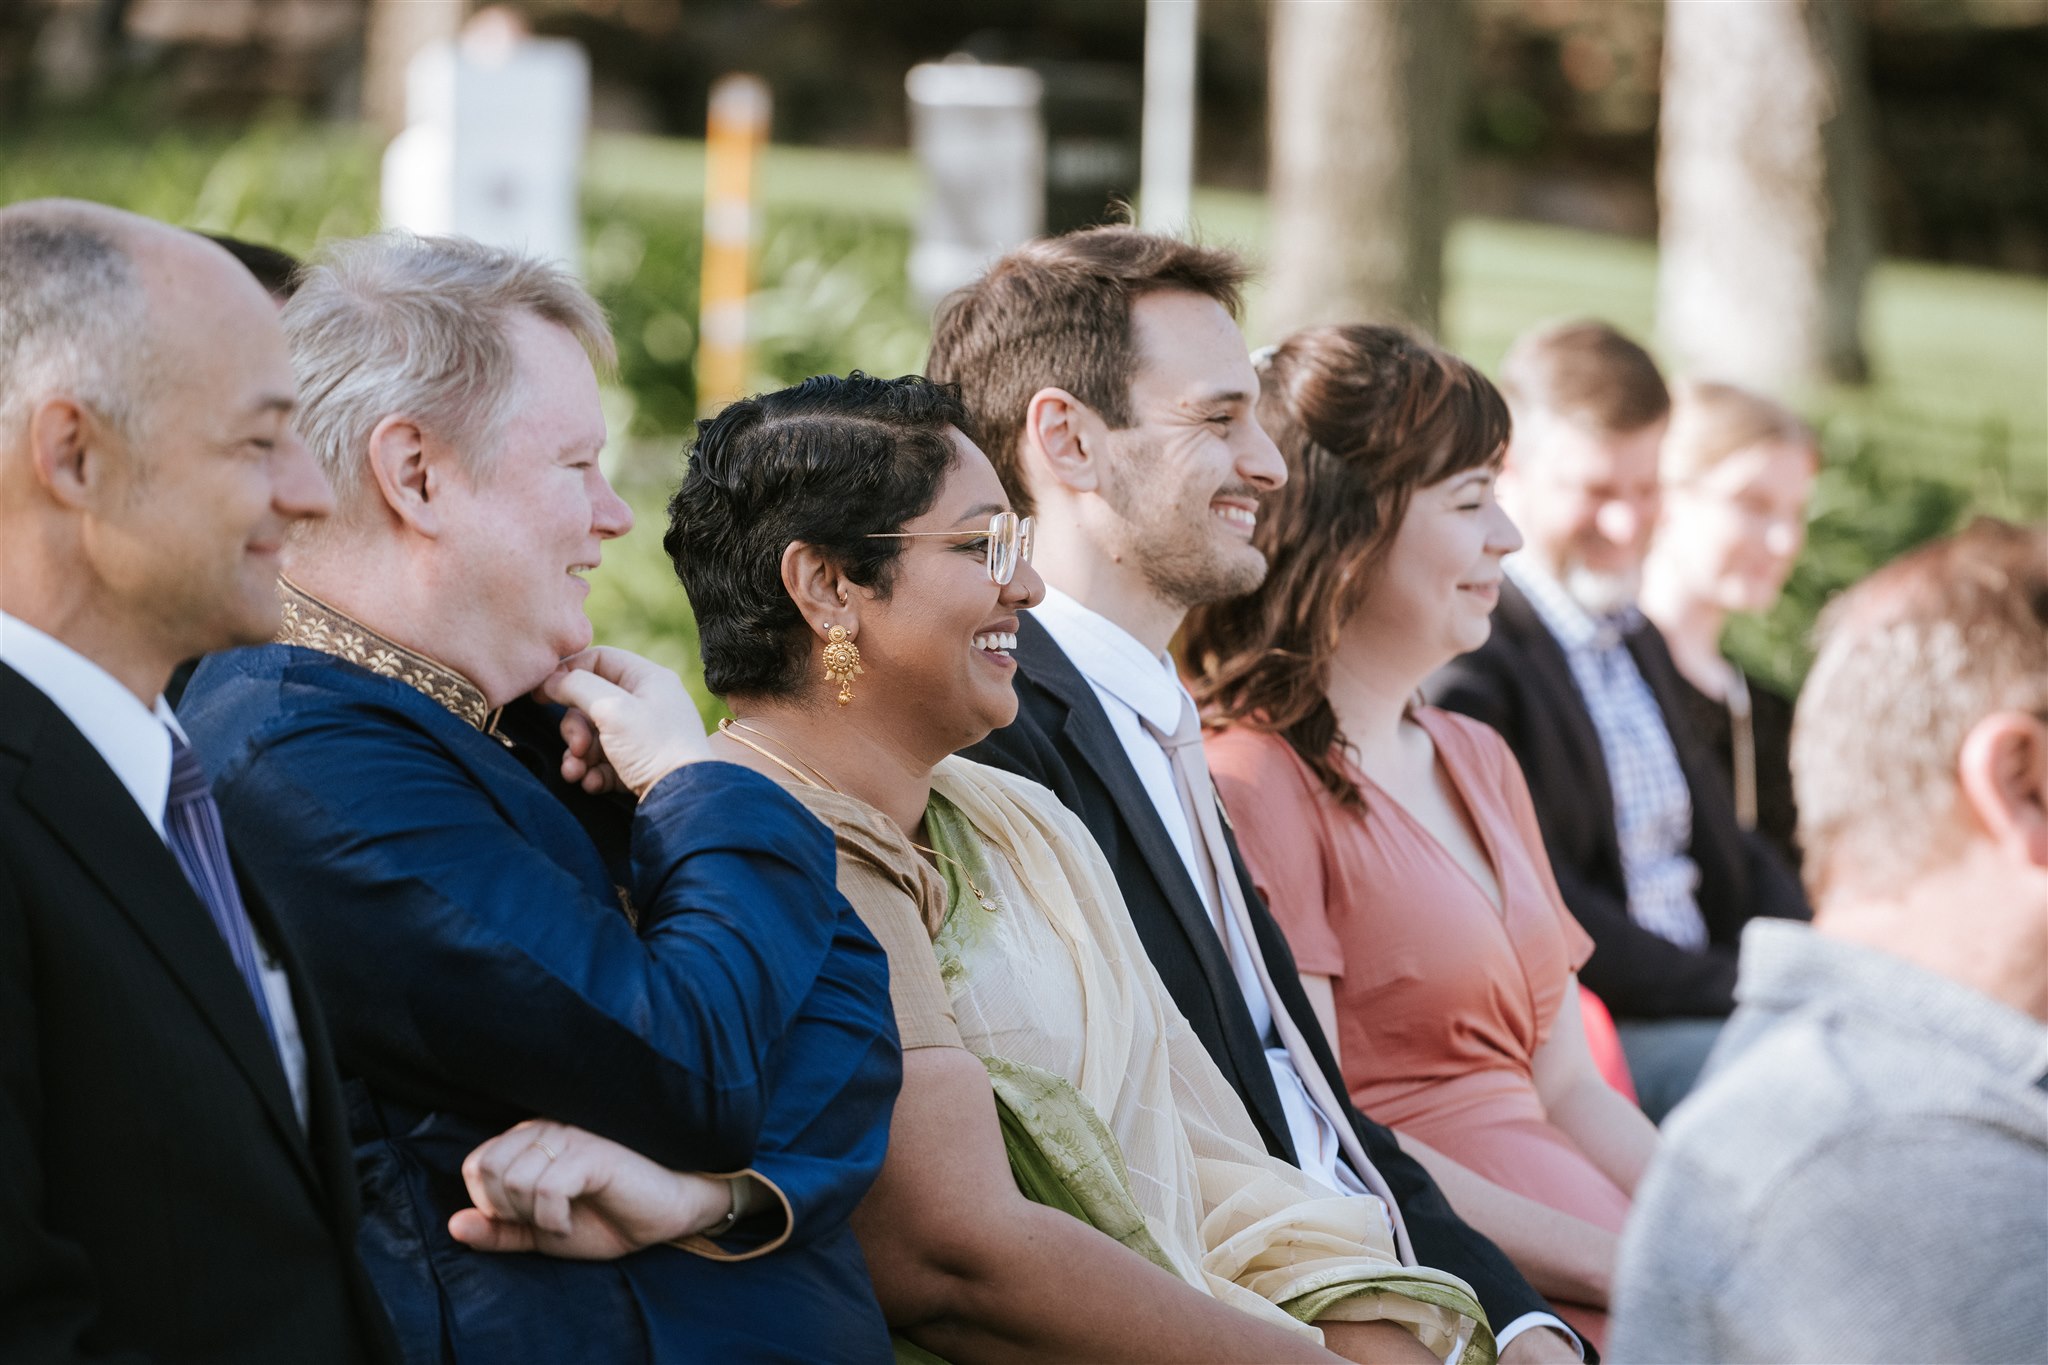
(1955,422)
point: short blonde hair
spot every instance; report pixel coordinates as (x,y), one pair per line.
(1909,661)
(1586,372)
(1711,421)
(398,324)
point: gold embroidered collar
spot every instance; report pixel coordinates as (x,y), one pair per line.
(312,624)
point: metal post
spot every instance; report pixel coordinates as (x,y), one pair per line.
(1167,166)
(734,136)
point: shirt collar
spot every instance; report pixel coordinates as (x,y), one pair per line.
(1111,658)
(135,740)
(1786,965)
(311,623)
(1574,627)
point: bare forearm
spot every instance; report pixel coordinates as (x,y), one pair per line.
(1613,1133)
(1562,1256)
(1051,1288)
(1378,1343)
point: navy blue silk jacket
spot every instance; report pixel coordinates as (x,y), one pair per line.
(490,944)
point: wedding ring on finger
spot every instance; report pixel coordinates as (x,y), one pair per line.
(545,1148)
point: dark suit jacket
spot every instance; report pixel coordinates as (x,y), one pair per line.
(1063,739)
(157,1195)
(1521,684)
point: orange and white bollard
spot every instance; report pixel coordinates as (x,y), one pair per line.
(734,136)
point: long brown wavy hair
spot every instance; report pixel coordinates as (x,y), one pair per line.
(1365,416)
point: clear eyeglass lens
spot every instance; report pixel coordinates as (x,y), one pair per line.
(1002,546)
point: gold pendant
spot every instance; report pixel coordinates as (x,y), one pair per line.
(842,662)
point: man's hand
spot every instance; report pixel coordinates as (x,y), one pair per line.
(647,723)
(1540,1346)
(547,1187)
(583,762)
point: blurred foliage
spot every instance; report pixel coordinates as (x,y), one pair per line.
(1955,421)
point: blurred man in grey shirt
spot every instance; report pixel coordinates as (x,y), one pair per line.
(1864,1174)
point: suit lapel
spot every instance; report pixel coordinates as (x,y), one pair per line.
(72,790)
(326,1128)
(1087,729)
(1546,659)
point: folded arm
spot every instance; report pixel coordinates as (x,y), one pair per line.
(458,959)
(968,1268)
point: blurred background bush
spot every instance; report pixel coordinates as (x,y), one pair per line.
(1556,213)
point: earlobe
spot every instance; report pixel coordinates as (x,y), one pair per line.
(1058,434)
(403,474)
(820,590)
(62,441)
(2004,773)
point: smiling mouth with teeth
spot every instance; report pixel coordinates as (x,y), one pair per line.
(1243,518)
(996,642)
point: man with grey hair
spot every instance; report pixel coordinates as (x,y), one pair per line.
(656,980)
(175,1174)
(1863,1174)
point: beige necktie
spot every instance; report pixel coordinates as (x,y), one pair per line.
(1212,856)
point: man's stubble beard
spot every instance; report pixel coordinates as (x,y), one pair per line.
(1180,562)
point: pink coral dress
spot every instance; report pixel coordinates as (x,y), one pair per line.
(1442,999)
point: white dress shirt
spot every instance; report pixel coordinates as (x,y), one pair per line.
(1136,687)
(135,741)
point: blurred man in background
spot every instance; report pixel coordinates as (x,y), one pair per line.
(175,1174)
(1864,1173)
(1639,824)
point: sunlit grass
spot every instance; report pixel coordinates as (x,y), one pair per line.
(1955,419)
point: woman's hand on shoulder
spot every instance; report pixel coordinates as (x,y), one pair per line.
(631,721)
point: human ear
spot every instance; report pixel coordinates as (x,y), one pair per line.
(820,589)
(401,470)
(64,445)
(2003,769)
(1061,437)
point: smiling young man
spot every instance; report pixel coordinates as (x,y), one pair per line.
(1638,822)
(1110,386)
(669,967)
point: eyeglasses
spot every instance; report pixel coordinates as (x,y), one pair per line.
(1009,542)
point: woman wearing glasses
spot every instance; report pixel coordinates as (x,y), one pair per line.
(1738,471)
(1068,1175)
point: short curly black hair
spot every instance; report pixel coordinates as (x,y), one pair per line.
(828,462)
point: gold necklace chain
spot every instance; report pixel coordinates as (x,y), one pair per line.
(729,726)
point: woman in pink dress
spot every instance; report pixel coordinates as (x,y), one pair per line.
(1396,843)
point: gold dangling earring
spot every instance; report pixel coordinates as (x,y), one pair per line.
(842,662)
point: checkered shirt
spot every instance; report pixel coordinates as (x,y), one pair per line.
(1652,804)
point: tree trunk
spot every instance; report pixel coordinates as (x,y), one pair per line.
(1364,104)
(398,29)
(1768,230)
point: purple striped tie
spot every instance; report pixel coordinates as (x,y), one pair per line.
(193,829)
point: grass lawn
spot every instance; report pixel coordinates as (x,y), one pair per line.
(1955,419)
(1958,356)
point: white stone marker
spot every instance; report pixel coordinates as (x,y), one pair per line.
(493,147)
(980,140)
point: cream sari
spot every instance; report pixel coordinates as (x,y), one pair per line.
(1053,984)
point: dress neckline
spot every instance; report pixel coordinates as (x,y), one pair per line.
(1497,901)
